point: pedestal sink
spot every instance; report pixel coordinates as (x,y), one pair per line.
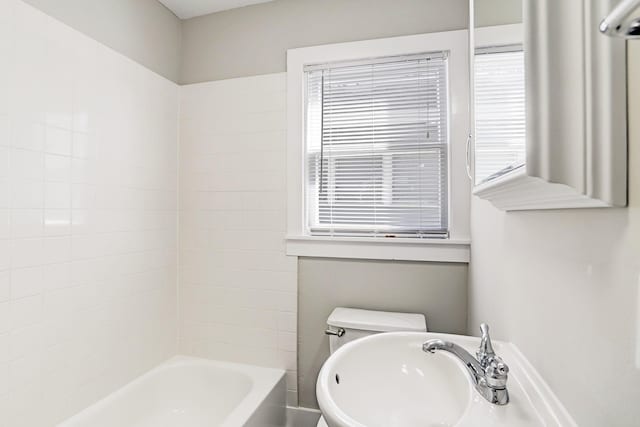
(387,380)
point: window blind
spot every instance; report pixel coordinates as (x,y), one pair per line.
(377,147)
(499,111)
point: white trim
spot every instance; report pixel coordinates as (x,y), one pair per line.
(298,416)
(456,43)
(517,191)
(434,250)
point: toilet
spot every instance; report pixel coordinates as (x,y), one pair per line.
(347,324)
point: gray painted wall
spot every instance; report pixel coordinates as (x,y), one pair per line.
(564,286)
(497,12)
(143,30)
(437,290)
(254,40)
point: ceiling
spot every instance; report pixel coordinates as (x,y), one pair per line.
(185,9)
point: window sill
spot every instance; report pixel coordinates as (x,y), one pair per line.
(400,249)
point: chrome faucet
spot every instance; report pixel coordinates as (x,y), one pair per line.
(488,372)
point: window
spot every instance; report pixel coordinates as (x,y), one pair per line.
(377,147)
(499,111)
(376,134)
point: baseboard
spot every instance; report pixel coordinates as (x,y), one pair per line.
(302,417)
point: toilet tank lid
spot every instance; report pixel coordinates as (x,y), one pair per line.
(376,321)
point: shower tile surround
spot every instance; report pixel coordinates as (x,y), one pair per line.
(88,213)
(90,288)
(88,191)
(238,289)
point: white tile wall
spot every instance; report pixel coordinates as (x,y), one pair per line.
(237,288)
(88,205)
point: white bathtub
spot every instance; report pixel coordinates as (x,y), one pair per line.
(190,392)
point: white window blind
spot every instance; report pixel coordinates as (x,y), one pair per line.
(377,144)
(499,111)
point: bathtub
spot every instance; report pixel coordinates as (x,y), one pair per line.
(190,392)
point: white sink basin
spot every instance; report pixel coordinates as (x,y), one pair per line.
(387,380)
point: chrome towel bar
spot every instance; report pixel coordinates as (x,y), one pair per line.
(620,22)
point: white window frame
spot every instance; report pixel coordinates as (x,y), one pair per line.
(453,249)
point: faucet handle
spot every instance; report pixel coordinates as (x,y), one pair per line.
(484,329)
(485,353)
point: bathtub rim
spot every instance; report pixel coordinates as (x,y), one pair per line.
(264,381)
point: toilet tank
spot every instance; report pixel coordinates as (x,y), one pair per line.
(357,323)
